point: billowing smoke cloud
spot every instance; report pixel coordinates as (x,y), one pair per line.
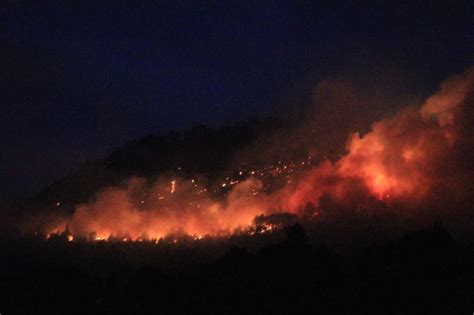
(401,157)
(411,158)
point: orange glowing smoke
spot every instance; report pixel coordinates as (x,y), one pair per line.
(397,160)
(139,211)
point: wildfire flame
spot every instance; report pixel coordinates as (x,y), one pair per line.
(397,160)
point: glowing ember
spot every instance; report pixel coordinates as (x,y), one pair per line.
(173,186)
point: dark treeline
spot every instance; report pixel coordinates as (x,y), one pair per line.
(199,150)
(285,272)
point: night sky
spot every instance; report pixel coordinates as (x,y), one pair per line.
(80,78)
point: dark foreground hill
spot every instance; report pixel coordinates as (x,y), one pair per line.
(423,272)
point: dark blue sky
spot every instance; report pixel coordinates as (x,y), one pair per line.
(79,78)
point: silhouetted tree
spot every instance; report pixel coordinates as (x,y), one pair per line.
(295,234)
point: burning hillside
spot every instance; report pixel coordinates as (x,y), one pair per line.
(414,158)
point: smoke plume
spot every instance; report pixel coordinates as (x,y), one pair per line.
(418,158)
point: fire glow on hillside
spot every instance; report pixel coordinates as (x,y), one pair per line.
(400,160)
